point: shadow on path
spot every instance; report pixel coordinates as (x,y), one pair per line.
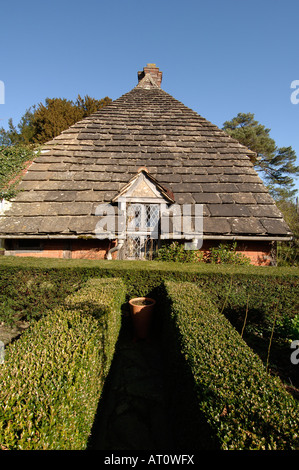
(138,409)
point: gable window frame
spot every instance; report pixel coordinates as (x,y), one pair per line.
(148,198)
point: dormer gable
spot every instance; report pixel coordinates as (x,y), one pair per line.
(143,187)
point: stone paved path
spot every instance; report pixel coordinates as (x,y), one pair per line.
(134,412)
(8,334)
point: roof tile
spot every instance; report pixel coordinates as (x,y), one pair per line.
(146,127)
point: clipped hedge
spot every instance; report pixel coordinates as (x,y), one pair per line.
(103,298)
(52,377)
(262,287)
(30,294)
(246,407)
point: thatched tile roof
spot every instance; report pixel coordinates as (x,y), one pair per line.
(93,160)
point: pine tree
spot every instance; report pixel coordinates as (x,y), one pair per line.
(277,166)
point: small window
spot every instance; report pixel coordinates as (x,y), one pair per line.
(28,245)
(143,217)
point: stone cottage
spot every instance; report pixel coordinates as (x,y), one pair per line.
(142,171)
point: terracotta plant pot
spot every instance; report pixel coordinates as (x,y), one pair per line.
(141,312)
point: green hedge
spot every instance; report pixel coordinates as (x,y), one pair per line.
(233,286)
(52,377)
(103,298)
(267,290)
(30,294)
(245,406)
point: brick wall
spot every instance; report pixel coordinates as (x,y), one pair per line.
(67,249)
(91,249)
(259,252)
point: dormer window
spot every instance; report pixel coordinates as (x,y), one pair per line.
(141,201)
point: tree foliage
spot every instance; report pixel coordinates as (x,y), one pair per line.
(277,166)
(13,160)
(45,121)
(288,253)
(39,124)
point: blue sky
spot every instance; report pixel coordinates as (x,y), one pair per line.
(218,58)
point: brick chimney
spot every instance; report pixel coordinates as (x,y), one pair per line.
(153,70)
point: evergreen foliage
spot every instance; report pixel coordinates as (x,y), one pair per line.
(276,165)
(13,160)
(53,376)
(246,407)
